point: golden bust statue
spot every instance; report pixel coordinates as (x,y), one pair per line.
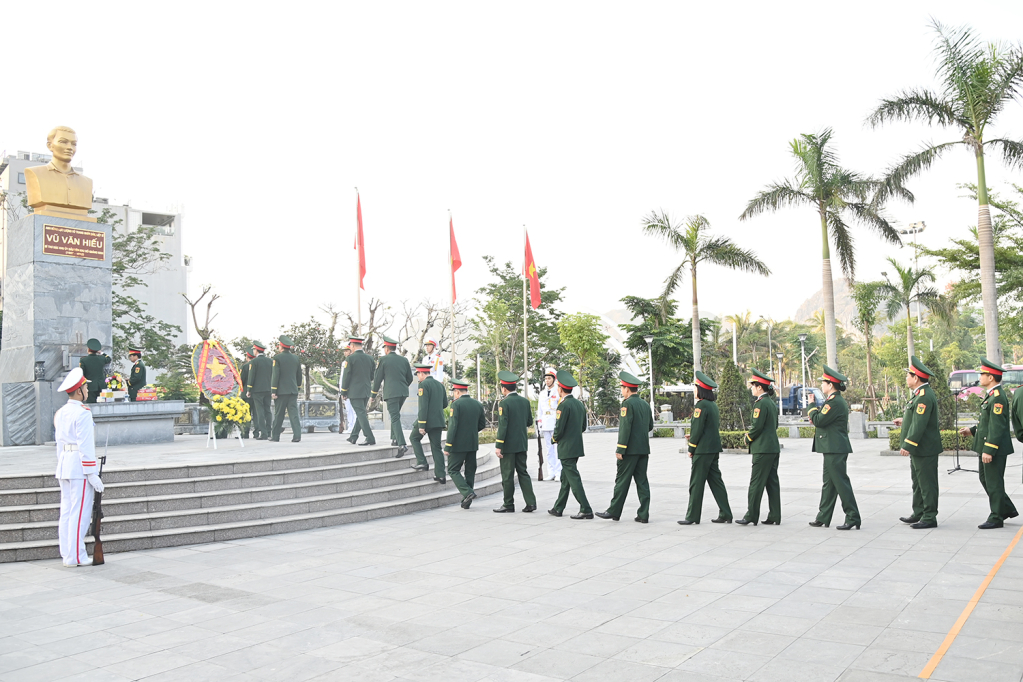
(57,189)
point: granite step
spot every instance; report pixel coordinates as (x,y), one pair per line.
(208,514)
(489,482)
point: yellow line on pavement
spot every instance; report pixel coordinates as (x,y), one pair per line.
(954,632)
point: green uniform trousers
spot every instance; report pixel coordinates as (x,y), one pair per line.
(252,413)
(133,394)
(456,460)
(836,484)
(92,395)
(394,412)
(705,471)
(571,480)
(416,439)
(924,473)
(361,420)
(992,479)
(512,463)
(289,402)
(631,467)
(764,476)
(262,417)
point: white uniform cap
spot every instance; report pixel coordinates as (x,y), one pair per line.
(74,379)
(553,372)
(430,339)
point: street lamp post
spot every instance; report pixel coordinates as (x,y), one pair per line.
(802,353)
(649,338)
(770,360)
(779,356)
(915,229)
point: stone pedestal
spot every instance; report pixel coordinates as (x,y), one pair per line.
(56,297)
(151,421)
(857,425)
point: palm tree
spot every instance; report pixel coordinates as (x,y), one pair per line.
(692,240)
(868,298)
(835,193)
(908,288)
(977,82)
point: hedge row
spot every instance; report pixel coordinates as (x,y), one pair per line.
(948,440)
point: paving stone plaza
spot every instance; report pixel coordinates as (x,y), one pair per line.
(454,595)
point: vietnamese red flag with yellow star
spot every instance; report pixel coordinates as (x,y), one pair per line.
(360,245)
(533,275)
(456,258)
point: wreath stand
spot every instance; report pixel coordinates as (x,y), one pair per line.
(211,435)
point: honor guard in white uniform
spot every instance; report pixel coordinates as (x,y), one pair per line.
(349,410)
(546,418)
(433,359)
(77,470)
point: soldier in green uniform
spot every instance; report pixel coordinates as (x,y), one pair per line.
(763,445)
(705,450)
(243,372)
(463,441)
(432,401)
(137,374)
(94,368)
(991,440)
(284,384)
(568,434)
(921,442)
(1017,414)
(831,439)
(257,389)
(633,451)
(355,386)
(395,372)
(515,414)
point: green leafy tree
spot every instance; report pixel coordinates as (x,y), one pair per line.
(735,403)
(836,194)
(868,298)
(942,393)
(909,287)
(977,82)
(135,255)
(583,337)
(607,390)
(697,246)
(672,348)
(318,347)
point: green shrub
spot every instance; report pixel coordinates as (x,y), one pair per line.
(490,436)
(948,440)
(872,433)
(783,432)
(664,433)
(807,431)
(734,440)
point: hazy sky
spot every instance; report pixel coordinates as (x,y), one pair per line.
(575,119)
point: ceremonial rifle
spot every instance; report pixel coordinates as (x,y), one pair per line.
(539,453)
(97,515)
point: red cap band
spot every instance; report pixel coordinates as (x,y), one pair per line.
(567,388)
(760,380)
(77,386)
(920,374)
(703,385)
(828,377)
(628,385)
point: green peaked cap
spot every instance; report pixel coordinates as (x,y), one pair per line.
(918,368)
(286,340)
(702,378)
(566,379)
(833,375)
(93,344)
(629,380)
(388,341)
(420,367)
(506,377)
(760,375)
(259,345)
(460,384)
(984,364)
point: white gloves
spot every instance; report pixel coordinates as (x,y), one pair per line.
(95,482)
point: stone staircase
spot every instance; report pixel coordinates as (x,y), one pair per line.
(185,505)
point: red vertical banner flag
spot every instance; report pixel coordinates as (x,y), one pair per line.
(456,259)
(360,245)
(533,275)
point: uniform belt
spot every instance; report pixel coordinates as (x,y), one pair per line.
(70,447)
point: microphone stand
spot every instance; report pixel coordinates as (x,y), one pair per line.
(956,455)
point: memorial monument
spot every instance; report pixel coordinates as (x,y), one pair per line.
(56,293)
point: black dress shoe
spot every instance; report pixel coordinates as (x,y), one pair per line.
(720,519)
(924,524)
(818,524)
(988,525)
(402,451)
(504,510)
(769,522)
(352,440)
(296,440)
(554,512)
(687,522)
(366,442)
(581,515)
(421,467)
(1012,515)
(528,508)
(745,522)
(393,443)
(848,526)
(440,480)
(605,515)
(639,520)
(909,519)
(467,501)
(275,440)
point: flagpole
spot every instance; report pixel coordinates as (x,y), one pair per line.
(451,265)
(358,268)
(525,337)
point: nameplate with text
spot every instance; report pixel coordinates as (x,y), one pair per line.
(74,242)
